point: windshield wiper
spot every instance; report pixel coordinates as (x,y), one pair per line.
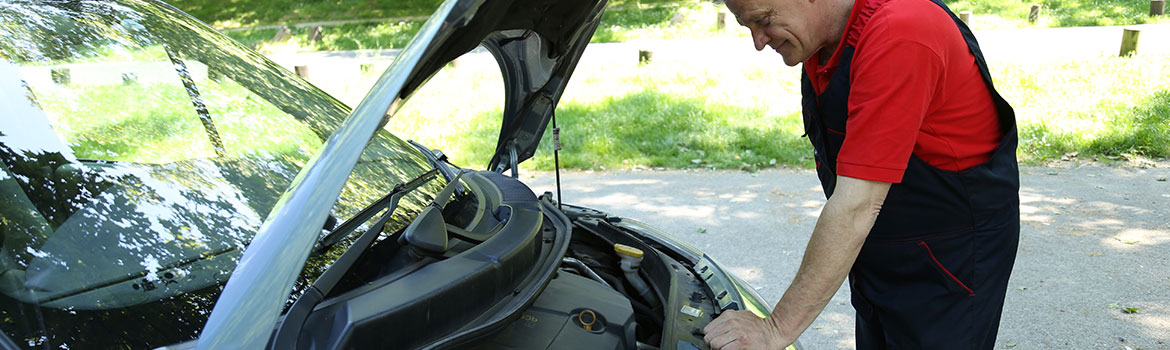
(197,102)
(390,199)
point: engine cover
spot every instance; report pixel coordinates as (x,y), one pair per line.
(558,318)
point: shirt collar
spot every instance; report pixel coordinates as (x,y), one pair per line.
(812,66)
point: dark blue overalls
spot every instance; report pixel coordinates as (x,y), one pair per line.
(934,269)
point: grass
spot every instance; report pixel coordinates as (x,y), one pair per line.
(1009,14)
(1110,107)
(1068,13)
(241,13)
(156,123)
(350,36)
(615,116)
(622,117)
(668,115)
(623,20)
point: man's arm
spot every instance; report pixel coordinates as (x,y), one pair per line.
(836,240)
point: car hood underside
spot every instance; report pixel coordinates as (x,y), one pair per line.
(537,44)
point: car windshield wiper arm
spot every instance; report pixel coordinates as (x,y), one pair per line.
(197,102)
(390,199)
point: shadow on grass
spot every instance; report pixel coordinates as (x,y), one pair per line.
(617,20)
(263,12)
(1143,129)
(1075,13)
(656,129)
(341,37)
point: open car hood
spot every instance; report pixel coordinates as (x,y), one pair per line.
(537,43)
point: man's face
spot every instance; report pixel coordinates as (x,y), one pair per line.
(780,24)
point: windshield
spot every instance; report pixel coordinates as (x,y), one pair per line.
(140,153)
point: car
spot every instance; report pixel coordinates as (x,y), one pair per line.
(166,187)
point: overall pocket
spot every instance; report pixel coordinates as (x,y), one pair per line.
(945,273)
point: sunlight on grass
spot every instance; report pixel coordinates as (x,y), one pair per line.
(624,116)
(682,115)
(623,20)
(155,122)
(1078,105)
(458,111)
(680,20)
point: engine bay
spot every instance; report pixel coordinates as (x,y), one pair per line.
(497,267)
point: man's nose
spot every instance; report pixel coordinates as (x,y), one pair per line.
(761,39)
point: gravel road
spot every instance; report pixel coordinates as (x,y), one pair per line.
(1095,240)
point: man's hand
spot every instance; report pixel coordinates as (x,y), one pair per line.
(743,330)
(836,240)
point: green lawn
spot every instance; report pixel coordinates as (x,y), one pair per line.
(694,116)
(155,122)
(733,117)
(623,20)
(243,13)
(1004,14)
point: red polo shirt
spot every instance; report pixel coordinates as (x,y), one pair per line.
(914,88)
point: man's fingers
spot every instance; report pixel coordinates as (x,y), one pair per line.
(725,330)
(721,341)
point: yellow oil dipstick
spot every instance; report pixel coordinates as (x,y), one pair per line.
(581,316)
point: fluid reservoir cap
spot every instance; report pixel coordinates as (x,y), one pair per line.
(627,250)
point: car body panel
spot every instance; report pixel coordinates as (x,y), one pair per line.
(537,44)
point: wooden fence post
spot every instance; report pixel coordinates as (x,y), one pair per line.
(645,56)
(966,17)
(1129,42)
(60,76)
(315,36)
(302,71)
(1034,14)
(282,34)
(1157,7)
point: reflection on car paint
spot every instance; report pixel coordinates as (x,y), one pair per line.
(120,221)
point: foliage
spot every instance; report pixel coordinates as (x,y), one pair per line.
(1109,106)
(682,115)
(677,20)
(623,21)
(1072,13)
(643,17)
(1001,14)
(349,36)
(240,13)
(616,116)
(156,123)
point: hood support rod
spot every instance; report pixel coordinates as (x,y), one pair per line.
(557,158)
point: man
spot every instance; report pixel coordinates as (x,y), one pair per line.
(916,152)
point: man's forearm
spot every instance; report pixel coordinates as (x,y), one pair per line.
(836,240)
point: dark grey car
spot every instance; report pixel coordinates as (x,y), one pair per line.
(164,186)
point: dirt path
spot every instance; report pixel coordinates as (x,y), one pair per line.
(1094,241)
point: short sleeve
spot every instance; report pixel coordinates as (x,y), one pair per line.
(894,75)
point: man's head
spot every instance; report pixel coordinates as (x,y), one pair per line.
(796,29)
